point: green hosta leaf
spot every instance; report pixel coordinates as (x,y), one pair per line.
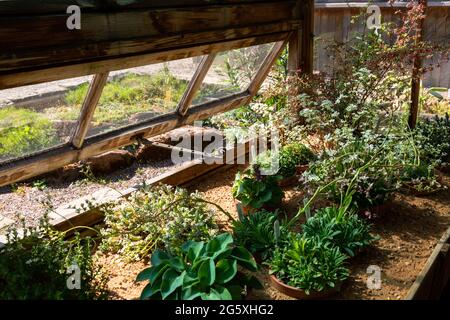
(223,293)
(177,264)
(225,270)
(170,282)
(190,280)
(191,293)
(244,258)
(198,263)
(212,295)
(144,274)
(192,248)
(207,272)
(149,291)
(158,257)
(235,291)
(219,244)
(153,274)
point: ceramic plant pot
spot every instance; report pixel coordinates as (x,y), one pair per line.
(301,168)
(298,293)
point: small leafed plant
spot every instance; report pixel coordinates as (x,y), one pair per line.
(38,264)
(202,270)
(256,232)
(309,264)
(156,217)
(289,157)
(256,190)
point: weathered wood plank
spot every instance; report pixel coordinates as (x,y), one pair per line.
(267,64)
(88,108)
(422,288)
(27,7)
(15,79)
(26,42)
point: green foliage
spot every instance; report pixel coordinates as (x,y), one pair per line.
(370,165)
(289,157)
(256,232)
(34,266)
(433,139)
(341,227)
(23,131)
(256,190)
(207,271)
(310,264)
(156,217)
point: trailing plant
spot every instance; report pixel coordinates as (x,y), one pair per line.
(202,270)
(257,190)
(37,264)
(256,232)
(156,217)
(311,264)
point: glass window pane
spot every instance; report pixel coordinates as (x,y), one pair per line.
(37,117)
(138,94)
(231,72)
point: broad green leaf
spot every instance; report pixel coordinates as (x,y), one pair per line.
(153,274)
(170,282)
(191,293)
(190,280)
(144,274)
(225,270)
(158,257)
(235,291)
(244,258)
(148,291)
(212,295)
(192,249)
(223,293)
(207,272)
(219,244)
(198,263)
(176,263)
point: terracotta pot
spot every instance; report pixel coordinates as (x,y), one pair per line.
(245,209)
(301,168)
(288,182)
(298,293)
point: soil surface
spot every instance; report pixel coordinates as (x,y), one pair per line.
(409,230)
(35,197)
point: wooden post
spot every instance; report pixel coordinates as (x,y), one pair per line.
(88,109)
(195,83)
(301,44)
(415,78)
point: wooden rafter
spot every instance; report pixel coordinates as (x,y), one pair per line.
(88,108)
(195,83)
